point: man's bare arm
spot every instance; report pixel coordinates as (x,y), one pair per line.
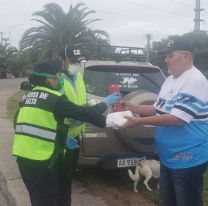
(142,110)
(165,119)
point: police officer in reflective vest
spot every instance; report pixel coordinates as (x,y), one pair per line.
(40,135)
(74,89)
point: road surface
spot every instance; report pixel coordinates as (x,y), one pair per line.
(12,189)
(95,187)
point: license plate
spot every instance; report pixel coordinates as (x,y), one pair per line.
(128,162)
(95,135)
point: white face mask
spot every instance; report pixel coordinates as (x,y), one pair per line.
(73,69)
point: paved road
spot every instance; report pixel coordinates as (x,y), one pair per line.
(12,189)
(11,183)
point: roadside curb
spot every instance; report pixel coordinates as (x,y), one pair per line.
(15,193)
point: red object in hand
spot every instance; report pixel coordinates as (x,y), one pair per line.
(117,107)
(113,89)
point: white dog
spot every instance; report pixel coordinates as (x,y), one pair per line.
(148,169)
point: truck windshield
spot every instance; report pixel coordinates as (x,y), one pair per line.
(99,78)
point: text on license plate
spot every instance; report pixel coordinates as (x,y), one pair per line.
(128,162)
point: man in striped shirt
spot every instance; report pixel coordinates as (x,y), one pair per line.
(180,115)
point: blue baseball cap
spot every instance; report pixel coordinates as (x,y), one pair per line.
(177,44)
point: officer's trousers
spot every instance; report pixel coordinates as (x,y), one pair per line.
(46,187)
(69,163)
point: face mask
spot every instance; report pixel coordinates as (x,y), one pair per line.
(60,83)
(73,69)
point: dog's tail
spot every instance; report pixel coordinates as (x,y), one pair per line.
(135,176)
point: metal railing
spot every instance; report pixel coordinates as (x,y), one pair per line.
(112,53)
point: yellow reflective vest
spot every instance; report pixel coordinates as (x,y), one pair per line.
(75,91)
(36,127)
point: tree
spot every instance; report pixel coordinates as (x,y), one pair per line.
(13,61)
(58,29)
(20,65)
(7,53)
(200,43)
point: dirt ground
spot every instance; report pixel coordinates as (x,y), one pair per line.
(116,188)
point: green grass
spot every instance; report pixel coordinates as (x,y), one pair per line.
(12,106)
(13,103)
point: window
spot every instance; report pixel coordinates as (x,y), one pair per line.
(99,78)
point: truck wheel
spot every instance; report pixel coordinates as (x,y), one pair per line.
(140,139)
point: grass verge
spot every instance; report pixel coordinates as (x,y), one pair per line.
(13,103)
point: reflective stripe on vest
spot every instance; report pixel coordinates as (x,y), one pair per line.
(35,131)
(75,91)
(36,125)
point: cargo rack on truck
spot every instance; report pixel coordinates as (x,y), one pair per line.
(112,53)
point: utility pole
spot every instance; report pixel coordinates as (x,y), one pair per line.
(197,19)
(149,37)
(10,32)
(1,34)
(5,40)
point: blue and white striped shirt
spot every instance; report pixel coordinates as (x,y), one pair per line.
(186,97)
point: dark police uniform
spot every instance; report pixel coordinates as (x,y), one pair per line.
(39,143)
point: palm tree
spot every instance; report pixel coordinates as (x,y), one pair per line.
(7,51)
(7,55)
(58,29)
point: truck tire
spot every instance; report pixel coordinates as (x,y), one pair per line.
(139,139)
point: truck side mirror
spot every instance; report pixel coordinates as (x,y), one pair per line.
(25,86)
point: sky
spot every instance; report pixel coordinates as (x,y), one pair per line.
(126,21)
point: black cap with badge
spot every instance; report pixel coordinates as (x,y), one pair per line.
(177,44)
(71,53)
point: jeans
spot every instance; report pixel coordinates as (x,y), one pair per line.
(182,187)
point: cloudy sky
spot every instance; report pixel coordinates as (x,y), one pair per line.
(127,21)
